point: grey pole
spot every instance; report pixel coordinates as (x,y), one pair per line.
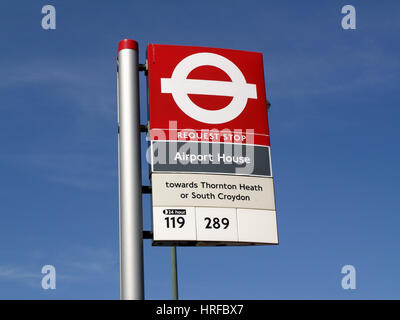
(129,173)
(174,274)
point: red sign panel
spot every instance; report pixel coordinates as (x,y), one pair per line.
(207,94)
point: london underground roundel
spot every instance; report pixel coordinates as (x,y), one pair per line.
(207,88)
(180,87)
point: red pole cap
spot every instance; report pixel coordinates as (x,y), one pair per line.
(127,44)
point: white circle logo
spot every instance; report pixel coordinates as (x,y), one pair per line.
(179,86)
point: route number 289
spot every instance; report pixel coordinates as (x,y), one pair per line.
(216,223)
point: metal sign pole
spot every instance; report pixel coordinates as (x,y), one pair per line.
(129,173)
(174,273)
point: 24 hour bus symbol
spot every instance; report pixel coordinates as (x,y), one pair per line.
(179,86)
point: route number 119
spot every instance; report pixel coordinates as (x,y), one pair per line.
(175,222)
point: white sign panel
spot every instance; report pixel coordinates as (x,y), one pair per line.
(212,190)
(213,209)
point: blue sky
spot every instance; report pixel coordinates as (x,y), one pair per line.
(333,122)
